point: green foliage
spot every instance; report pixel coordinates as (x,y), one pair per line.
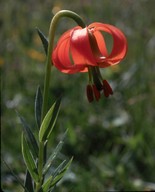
(38,107)
(31,152)
(53,156)
(28,182)
(49,121)
(57,176)
(30,139)
(43,39)
(29,160)
(34,150)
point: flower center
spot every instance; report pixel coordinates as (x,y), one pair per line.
(97,85)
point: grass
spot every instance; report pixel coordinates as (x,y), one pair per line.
(112,141)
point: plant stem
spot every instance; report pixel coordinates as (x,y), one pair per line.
(40,166)
(54,22)
(52,29)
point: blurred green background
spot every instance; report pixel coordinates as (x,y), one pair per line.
(113,140)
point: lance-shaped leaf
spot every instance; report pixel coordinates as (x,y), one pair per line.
(29,160)
(43,40)
(60,172)
(54,154)
(18,180)
(32,143)
(52,157)
(28,182)
(38,106)
(57,176)
(46,185)
(49,121)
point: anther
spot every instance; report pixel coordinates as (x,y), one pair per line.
(89,91)
(107,88)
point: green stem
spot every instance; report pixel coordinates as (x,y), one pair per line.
(52,29)
(54,22)
(41,159)
(40,166)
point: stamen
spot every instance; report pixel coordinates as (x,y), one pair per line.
(107,88)
(90,95)
(96,93)
(96,79)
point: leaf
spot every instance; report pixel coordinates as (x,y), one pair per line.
(43,40)
(38,106)
(29,160)
(53,155)
(49,121)
(47,184)
(56,176)
(60,172)
(53,189)
(32,143)
(15,176)
(28,182)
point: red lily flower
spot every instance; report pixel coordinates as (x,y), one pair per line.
(84,50)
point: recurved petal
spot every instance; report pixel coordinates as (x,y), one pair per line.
(61,56)
(101,43)
(119,43)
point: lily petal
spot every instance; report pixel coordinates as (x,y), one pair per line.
(61,57)
(81,49)
(119,43)
(101,43)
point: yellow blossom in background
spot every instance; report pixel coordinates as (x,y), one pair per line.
(57,7)
(36,55)
(1,61)
(115,68)
(36,40)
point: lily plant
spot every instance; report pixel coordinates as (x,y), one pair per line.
(82,49)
